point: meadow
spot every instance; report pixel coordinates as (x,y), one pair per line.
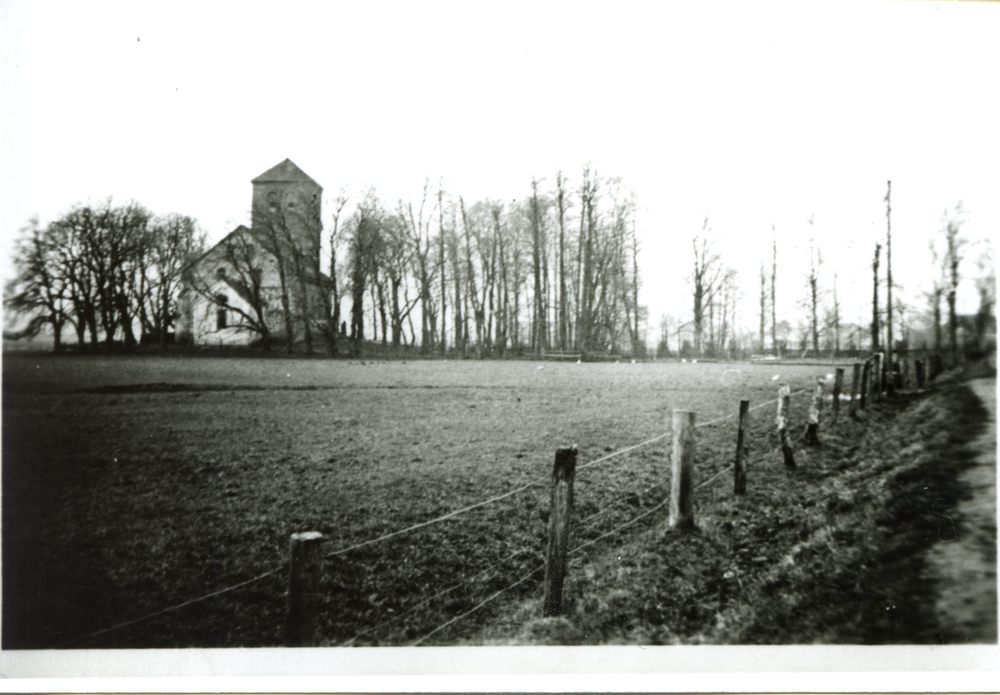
(134,484)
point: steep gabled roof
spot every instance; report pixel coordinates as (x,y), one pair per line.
(284,172)
(242,229)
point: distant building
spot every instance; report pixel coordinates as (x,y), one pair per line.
(233,294)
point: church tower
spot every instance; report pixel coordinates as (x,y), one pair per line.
(288,198)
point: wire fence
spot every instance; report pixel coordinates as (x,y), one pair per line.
(622,501)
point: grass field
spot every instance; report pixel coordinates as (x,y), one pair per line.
(134,484)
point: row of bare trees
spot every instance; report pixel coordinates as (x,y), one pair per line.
(102,270)
(715,295)
(555,271)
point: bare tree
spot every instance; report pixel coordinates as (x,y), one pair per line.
(395,261)
(586,290)
(460,303)
(507,270)
(418,229)
(875,316)
(663,346)
(986,287)
(271,233)
(68,249)
(763,306)
(953,221)
(812,280)
(935,295)
(39,290)
(539,329)
(365,232)
(564,317)
(129,241)
(888,280)
(835,317)
(442,269)
(176,240)
(704,279)
(774,298)
(726,298)
(478,305)
(638,346)
(330,286)
(110,243)
(300,231)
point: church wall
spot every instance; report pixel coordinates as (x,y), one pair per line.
(292,205)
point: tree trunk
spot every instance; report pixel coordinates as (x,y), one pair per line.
(57,327)
(875,322)
(763,307)
(444,283)
(774,303)
(952,324)
(563,316)
(888,280)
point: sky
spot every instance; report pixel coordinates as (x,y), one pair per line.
(749,114)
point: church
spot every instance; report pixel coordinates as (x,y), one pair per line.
(262,281)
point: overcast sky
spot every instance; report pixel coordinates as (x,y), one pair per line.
(753,114)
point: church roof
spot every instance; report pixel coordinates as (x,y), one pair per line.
(286,171)
(242,229)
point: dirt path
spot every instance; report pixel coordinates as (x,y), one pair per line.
(963,562)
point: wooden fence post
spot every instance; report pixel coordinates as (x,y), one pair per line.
(812,429)
(784,405)
(877,377)
(918,366)
(682,471)
(855,388)
(865,375)
(304,578)
(838,384)
(740,487)
(560,515)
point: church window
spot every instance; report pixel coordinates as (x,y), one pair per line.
(221,314)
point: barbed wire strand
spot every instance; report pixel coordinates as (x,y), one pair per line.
(614,531)
(775,400)
(479,605)
(724,470)
(584,545)
(428,523)
(664,502)
(423,603)
(714,422)
(611,508)
(536,570)
(174,608)
(343,550)
(494,596)
(623,451)
(540,481)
